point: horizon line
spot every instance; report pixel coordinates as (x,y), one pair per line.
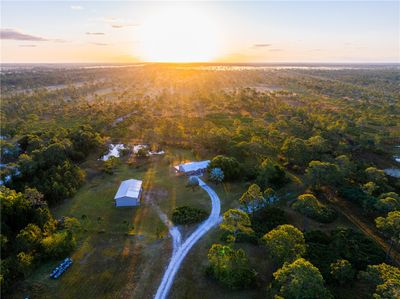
(210,62)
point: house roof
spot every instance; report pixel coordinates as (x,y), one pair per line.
(193,166)
(129,188)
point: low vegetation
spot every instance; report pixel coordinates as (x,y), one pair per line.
(188,215)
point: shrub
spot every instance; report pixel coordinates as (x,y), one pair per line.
(59,244)
(188,215)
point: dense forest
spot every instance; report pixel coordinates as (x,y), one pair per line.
(320,139)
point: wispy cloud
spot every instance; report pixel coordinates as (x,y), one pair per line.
(27,46)
(76,7)
(261,45)
(116,26)
(99,44)
(117,23)
(95,33)
(275,50)
(13,34)
(57,40)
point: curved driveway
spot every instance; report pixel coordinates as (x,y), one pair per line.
(181,252)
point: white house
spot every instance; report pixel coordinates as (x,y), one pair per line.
(191,167)
(128,194)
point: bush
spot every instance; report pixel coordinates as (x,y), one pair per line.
(308,205)
(59,244)
(188,215)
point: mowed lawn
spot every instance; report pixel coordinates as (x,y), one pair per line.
(122,252)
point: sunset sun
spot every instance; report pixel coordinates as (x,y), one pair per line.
(179,34)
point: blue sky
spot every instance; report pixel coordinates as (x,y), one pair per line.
(267,31)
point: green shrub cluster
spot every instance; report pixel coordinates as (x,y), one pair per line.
(188,215)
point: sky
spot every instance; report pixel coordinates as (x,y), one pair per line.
(224,31)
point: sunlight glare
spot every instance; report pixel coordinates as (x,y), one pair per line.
(179,34)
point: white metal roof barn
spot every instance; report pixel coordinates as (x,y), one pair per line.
(128,194)
(192,166)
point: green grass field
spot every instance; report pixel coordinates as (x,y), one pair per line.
(122,252)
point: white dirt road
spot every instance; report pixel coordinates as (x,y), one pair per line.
(182,250)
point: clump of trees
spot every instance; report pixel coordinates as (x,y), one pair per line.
(230,267)
(30,234)
(390,226)
(308,205)
(284,243)
(237,224)
(323,250)
(49,161)
(229,165)
(300,279)
(342,271)
(254,199)
(188,215)
(266,219)
(388,202)
(382,280)
(110,164)
(271,174)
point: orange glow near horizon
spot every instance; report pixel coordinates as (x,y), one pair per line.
(179,34)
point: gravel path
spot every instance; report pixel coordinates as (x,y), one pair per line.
(180,253)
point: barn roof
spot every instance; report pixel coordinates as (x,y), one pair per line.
(193,166)
(129,188)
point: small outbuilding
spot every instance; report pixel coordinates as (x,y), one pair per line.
(193,167)
(128,194)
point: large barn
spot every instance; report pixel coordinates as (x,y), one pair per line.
(128,194)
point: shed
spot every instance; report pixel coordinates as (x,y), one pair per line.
(128,194)
(193,166)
